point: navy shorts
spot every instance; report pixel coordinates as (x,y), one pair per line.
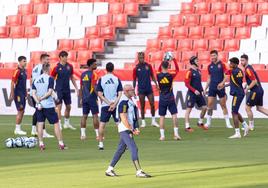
(193,99)
(20,102)
(145,92)
(255,98)
(213,92)
(65,97)
(106,115)
(47,113)
(236,103)
(170,105)
(90,106)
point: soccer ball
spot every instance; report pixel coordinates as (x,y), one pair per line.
(29,144)
(168,56)
(10,143)
(33,139)
(19,142)
(24,139)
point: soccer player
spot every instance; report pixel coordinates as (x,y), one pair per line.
(19,92)
(109,91)
(195,94)
(42,94)
(36,72)
(62,73)
(144,73)
(255,97)
(215,85)
(127,128)
(167,99)
(237,91)
(88,93)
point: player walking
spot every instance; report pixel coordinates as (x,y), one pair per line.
(195,94)
(215,85)
(144,73)
(62,73)
(89,101)
(109,91)
(19,92)
(127,127)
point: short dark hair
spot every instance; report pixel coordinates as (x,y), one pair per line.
(234,60)
(244,56)
(165,64)
(43,56)
(90,62)
(20,58)
(214,52)
(110,67)
(63,54)
(46,67)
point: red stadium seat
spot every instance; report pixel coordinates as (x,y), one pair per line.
(231,45)
(83,56)
(125,1)
(72,56)
(169,45)
(196,32)
(223,56)
(176,20)
(227,32)
(202,8)
(200,45)
(185,56)
(92,32)
(40,8)
(222,20)
(164,32)
(29,20)
(54,55)
(16,32)
(216,45)
(116,8)
(263,8)
(31,32)
(10,65)
(180,32)
(65,44)
(191,20)
(187,8)
(144,2)
(120,20)
(96,45)
(218,8)
(207,20)
(249,8)
(52,1)
(177,55)
(153,45)
(25,9)
(238,20)
(4,32)
(254,20)
(108,32)
(234,8)
(156,56)
(211,32)
(244,1)
(185,45)
(258,66)
(35,56)
(243,32)
(204,57)
(131,9)
(80,44)
(129,66)
(14,20)
(104,20)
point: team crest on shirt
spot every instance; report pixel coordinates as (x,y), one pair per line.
(68,67)
(146,67)
(60,69)
(139,69)
(189,103)
(219,66)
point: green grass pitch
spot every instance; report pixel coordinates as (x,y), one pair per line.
(201,160)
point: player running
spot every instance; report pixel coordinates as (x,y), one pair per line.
(255,97)
(127,127)
(42,94)
(144,73)
(215,85)
(167,99)
(195,94)
(62,73)
(109,91)
(237,91)
(89,101)
(36,72)
(19,92)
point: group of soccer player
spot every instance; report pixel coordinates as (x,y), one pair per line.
(116,100)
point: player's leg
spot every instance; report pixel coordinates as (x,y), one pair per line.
(201,103)
(245,126)
(211,101)
(40,123)
(104,118)
(187,120)
(262,110)
(20,105)
(223,99)
(34,119)
(172,107)
(142,103)
(67,101)
(96,124)
(162,112)
(151,101)
(259,104)
(83,125)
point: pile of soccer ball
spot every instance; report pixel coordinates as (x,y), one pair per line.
(20,142)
